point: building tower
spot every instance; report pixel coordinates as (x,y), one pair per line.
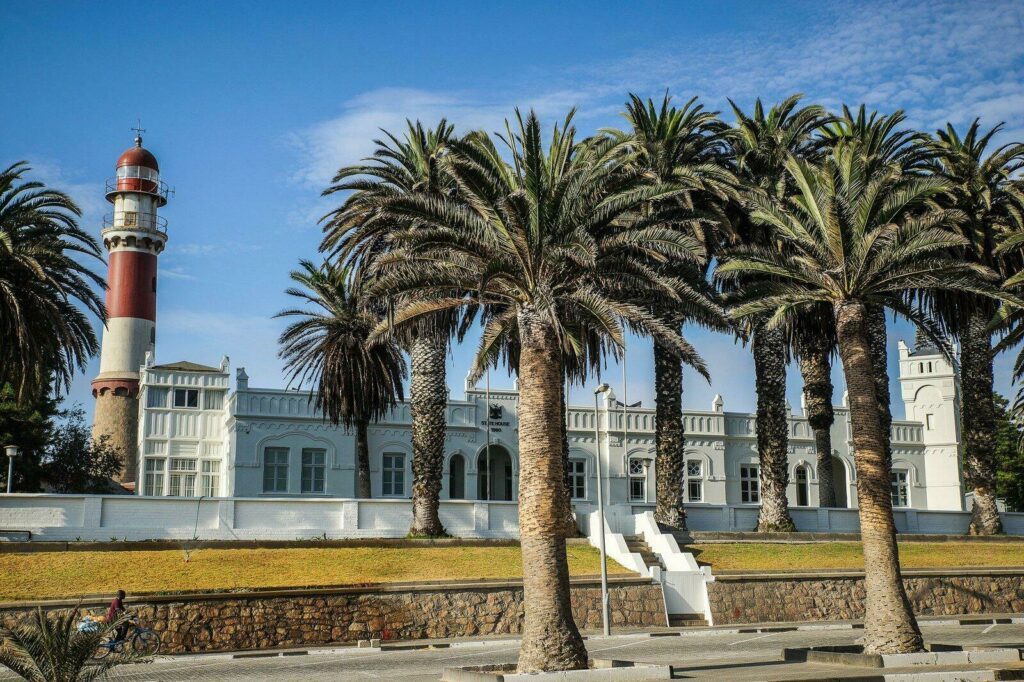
(930,389)
(134,235)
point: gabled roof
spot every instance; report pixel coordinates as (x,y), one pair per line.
(186,366)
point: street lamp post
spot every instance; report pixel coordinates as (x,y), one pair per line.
(605,617)
(12,452)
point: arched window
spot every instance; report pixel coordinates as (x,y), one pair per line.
(802,487)
(637,479)
(457,478)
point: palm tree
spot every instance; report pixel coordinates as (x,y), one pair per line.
(411,165)
(856,236)
(882,143)
(46,293)
(543,242)
(51,649)
(814,343)
(762,142)
(683,146)
(983,187)
(326,348)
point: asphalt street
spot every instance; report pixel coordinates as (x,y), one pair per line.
(697,654)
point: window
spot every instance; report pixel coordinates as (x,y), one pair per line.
(900,491)
(182,477)
(275,470)
(694,481)
(153,482)
(393,475)
(577,475)
(186,397)
(928,423)
(802,487)
(312,470)
(211,478)
(156,397)
(637,480)
(457,478)
(750,484)
(213,400)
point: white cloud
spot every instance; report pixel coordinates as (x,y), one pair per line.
(175,273)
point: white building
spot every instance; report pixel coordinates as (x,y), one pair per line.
(199,439)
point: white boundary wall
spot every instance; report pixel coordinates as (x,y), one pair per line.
(106,517)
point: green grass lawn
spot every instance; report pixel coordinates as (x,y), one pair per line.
(54,575)
(832,555)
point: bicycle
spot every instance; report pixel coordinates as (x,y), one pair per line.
(143,642)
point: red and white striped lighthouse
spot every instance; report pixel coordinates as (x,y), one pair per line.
(134,235)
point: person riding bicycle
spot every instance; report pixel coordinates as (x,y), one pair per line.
(115,611)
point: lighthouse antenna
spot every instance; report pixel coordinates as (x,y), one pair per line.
(138,131)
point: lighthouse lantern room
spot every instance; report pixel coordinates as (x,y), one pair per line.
(134,235)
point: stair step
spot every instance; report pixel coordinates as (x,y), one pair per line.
(687,620)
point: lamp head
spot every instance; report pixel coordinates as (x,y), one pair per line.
(603,388)
(12,450)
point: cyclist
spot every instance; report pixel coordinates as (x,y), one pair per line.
(115,611)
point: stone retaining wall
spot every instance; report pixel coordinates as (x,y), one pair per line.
(769,598)
(320,617)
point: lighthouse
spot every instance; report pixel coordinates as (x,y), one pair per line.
(134,235)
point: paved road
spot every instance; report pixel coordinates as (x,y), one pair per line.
(703,654)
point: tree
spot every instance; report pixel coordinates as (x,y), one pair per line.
(327,349)
(358,232)
(29,425)
(983,187)
(855,236)
(1009,455)
(814,343)
(683,146)
(45,291)
(543,242)
(74,462)
(762,142)
(50,648)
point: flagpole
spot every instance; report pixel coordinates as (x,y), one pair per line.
(487,451)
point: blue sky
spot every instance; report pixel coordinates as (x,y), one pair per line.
(250,108)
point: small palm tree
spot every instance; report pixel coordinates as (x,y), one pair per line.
(50,648)
(855,236)
(683,146)
(543,243)
(762,142)
(45,291)
(984,187)
(355,383)
(356,231)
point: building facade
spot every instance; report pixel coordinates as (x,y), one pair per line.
(199,438)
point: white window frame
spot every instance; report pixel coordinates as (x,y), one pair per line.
(154,477)
(185,392)
(750,483)
(577,476)
(392,474)
(316,470)
(899,483)
(210,479)
(694,481)
(637,479)
(806,482)
(181,476)
(152,392)
(278,466)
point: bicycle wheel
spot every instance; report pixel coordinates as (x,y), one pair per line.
(146,642)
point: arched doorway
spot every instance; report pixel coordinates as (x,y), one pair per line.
(457,478)
(803,493)
(839,482)
(494,474)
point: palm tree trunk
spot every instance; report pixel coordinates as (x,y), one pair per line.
(669,438)
(816,370)
(363,460)
(889,623)
(568,520)
(772,429)
(429,402)
(550,638)
(877,339)
(977,415)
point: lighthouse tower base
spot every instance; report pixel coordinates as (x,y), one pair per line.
(117,419)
